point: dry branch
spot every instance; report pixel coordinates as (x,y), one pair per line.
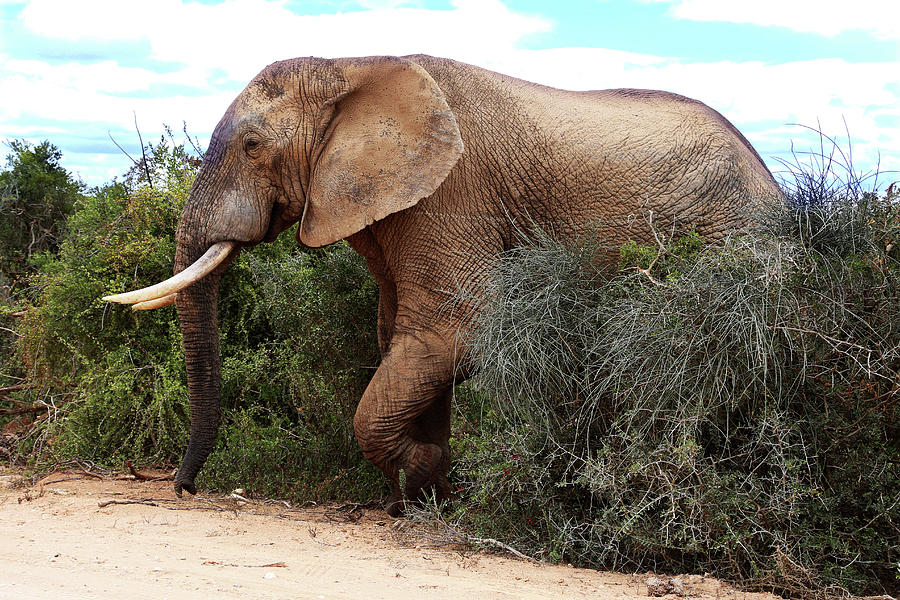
(502,546)
(270,565)
(143,153)
(17,387)
(142,476)
(23,410)
(446,534)
(55,481)
(105,503)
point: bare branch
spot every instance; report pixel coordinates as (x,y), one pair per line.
(105,503)
(143,152)
(194,142)
(125,152)
(23,410)
(17,387)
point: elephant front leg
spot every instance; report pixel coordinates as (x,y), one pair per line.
(403,420)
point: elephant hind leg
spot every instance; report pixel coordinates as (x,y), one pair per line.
(403,419)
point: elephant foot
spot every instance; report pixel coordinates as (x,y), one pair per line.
(396,504)
(186,485)
(424,479)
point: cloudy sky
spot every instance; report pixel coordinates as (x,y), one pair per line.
(77,71)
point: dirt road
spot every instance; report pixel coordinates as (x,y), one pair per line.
(62,539)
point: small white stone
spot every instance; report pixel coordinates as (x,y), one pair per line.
(269,576)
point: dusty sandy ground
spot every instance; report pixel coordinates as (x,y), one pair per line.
(59,539)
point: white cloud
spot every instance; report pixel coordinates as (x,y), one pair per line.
(825,17)
(236,38)
(92,94)
(389,3)
(239,37)
(242,36)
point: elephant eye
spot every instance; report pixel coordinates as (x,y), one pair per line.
(251,144)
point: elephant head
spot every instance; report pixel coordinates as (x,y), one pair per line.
(334,144)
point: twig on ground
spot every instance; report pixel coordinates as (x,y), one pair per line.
(79,474)
(352,507)
(284,503)
(52,481)
(142,476)
(502,546)
(105,503)
(270,565)
(446,534)
(313,532)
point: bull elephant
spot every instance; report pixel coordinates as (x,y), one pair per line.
(430,168)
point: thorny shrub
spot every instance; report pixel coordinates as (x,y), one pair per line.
(732,409)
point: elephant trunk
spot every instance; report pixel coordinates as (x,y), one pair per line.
(200,337)
(204,248)
(195,290)
(197,316)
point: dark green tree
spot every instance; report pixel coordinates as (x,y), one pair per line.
(36,196)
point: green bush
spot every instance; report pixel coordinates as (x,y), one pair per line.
(731,409)
(297,342)
(36,197)
(291,394)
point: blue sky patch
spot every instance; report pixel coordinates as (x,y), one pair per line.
(71,71)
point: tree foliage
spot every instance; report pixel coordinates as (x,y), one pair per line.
(36,196)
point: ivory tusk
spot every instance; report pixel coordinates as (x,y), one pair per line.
(197,271)
(158,303)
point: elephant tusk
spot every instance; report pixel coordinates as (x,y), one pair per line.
(158,303)
(197,271)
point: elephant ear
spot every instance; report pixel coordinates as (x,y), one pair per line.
(392,140)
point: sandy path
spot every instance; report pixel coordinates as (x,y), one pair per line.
(56,542)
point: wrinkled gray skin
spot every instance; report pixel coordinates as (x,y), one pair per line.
(428,167)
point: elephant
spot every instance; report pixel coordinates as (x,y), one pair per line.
(430,169)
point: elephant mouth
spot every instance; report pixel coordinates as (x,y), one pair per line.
(272,232)
(164,293)
(277,222)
